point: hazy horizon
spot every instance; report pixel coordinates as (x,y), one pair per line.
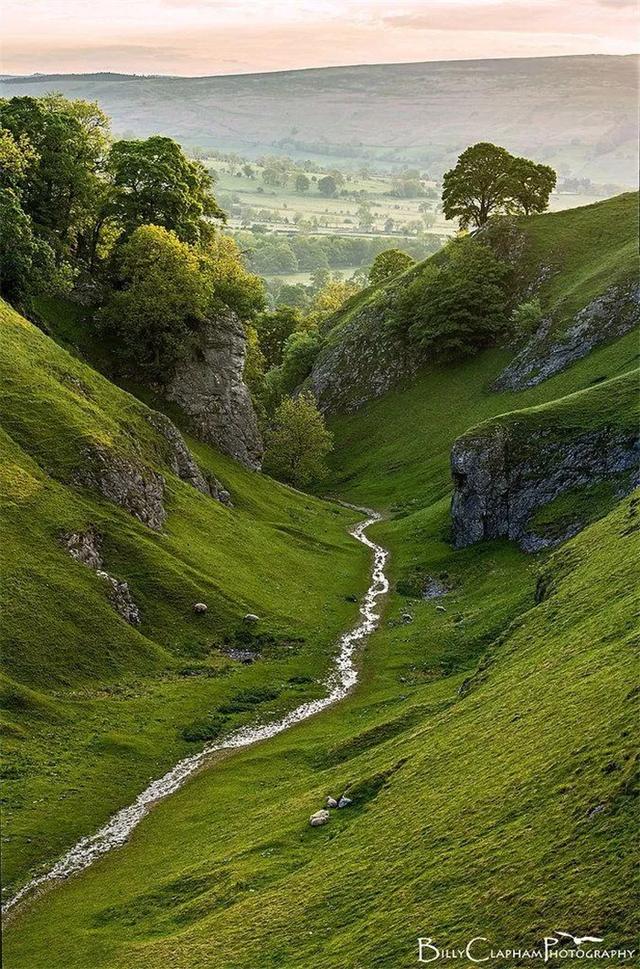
(311,67)
(195,38)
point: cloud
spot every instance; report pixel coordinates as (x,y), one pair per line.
(502,16)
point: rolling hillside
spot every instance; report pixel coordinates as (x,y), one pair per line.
(484,799)
(574,113)
(93,704)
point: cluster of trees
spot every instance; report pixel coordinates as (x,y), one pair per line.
(270,254)
(487,180)
(131,223)
(457,304)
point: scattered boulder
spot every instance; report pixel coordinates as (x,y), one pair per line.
(200,607)
(223,496)
(434,588)
(243,655)
(319,818)
(251,618)
(84,547)
(209,387)
(594,811)
(136,488)
(344,801)
(331,802)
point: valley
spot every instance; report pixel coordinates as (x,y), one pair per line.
(246,719)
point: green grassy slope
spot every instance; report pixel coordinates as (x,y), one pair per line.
(565,260)
(582,251)
(94,706)
(487,747)
(500,809)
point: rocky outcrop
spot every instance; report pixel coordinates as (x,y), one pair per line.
(137,488)
(85,548)
(504,474)
(365,360)
(609,316)
(177,454)
(209,387)
(181,461)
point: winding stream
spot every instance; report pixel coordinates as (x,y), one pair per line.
(339,683)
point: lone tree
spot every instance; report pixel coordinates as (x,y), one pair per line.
(298,442)
(327,186)
(389,263)
(488,180)
(302,183)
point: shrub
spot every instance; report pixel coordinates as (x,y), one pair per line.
(459,305)
(298,442)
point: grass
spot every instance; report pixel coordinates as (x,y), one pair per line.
(473,809)
(94,707)
(488,746)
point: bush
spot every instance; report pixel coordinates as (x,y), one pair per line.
(457,306)
(300,351)
(298,442)
(526,318)
(389,263)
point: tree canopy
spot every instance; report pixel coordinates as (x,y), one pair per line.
(297,442)
(161,301)
(488,180)
(458,305)
(154,183)
(389,263)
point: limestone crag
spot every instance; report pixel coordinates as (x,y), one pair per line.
(181,461)
(609,316)
(209,387)
(366,361)
(501,478)
(135,487)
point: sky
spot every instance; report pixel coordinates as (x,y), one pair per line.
(197,37)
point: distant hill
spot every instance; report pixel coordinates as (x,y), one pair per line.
(576,113)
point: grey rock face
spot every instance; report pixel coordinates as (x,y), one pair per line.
(178,455)
(499,483)
(210,389)
(364,363)
(434,589)
(121,598)
(181,461)
(609,316)
(85,548)
(138,489)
